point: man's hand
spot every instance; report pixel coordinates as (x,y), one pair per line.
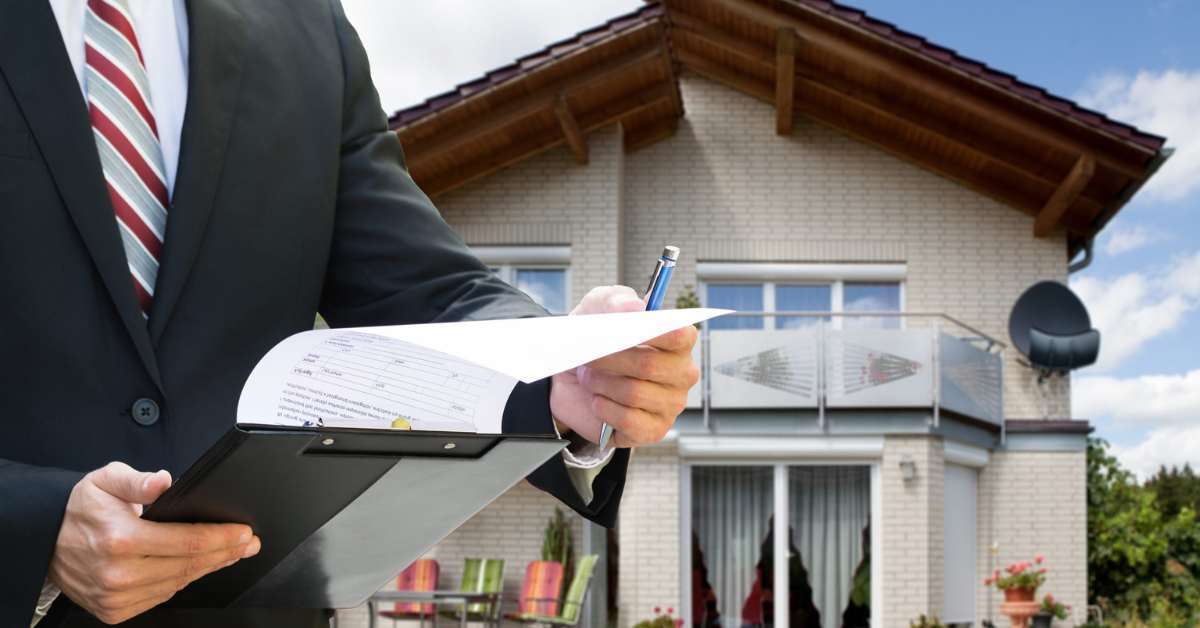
(116,565)
(639,391)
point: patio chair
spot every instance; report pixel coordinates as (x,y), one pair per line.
(480,575)
(542,586)
(422,575)
(572,603)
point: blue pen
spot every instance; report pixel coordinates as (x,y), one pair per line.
(654,298)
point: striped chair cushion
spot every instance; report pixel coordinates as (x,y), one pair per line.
(422,575)
(543,582)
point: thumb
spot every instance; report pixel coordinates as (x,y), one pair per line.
(123,482)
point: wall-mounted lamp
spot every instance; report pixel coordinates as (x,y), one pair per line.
(908,469)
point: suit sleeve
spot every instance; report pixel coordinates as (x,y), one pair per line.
(32,502)
(394,260)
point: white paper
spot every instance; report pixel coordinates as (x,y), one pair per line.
(438,376)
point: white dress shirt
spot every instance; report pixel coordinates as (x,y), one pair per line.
(162,33)
(161,27)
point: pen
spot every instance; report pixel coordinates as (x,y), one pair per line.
(655,292)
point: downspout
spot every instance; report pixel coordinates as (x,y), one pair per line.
(1087,257)
(1155,163)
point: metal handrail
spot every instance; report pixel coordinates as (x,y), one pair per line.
(816,314)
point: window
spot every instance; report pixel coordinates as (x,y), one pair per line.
(539,271)
(827,513)
(844,288)
(740,297)
(872,297)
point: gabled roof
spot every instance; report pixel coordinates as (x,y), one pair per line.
(1033,150)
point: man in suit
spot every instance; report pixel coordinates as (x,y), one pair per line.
(184,183)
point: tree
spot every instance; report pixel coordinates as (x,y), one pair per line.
(1177,488)
(1142,561)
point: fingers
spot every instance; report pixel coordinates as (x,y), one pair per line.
(681,340)
(673,369)
(185,539)
(605,299)
(633,426)
(123,482)
(145,571)
(634,393)
(130,587)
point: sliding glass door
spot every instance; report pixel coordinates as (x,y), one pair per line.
(733,522)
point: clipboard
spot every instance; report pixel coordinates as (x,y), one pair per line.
(340,511)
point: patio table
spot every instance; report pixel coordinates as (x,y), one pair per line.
(459,598)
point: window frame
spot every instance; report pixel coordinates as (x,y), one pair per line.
(836,275)
(507,261)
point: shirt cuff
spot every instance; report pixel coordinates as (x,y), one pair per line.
(50,592)
(584,460)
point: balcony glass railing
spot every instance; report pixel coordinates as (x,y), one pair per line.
(866,360)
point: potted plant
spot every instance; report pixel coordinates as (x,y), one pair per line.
(1051,609)
(926,622)
(556,542)
(1020,580)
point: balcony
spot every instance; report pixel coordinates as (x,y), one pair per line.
(826,363)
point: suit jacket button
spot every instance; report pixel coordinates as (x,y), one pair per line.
(145,411)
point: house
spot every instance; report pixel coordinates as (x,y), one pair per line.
(894,199)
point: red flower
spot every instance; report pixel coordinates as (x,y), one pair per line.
(1038,558)
(670,611)
(657,610)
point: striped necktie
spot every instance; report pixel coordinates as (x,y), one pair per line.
(127,139)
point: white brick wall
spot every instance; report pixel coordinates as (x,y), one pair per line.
(912,529)
(726,187)
(1031,502)
(648,535)
(551,199)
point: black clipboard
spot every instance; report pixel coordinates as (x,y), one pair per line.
(340,511)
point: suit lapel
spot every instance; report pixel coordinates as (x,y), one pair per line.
(35,62)
(217,36)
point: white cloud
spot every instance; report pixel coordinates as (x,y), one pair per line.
(1172,446)
(1125,239)
(1149,400)
(421,49)
(1128,314)
(1166,103)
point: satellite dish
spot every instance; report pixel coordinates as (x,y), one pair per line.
(1051,327)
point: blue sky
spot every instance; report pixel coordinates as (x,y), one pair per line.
(1138,61)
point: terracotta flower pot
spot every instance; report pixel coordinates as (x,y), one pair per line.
(1019,595)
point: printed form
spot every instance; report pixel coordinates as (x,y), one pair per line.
(440,376)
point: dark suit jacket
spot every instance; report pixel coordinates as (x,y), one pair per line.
(291,198)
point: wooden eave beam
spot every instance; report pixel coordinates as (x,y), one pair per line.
(537,102)
(762,91)
(642,137)
(571,131)
(858,96)
(785,80)
(928,87)
(589,121)
(1064,196)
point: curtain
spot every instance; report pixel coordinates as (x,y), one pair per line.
(731,507)
(828,508)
